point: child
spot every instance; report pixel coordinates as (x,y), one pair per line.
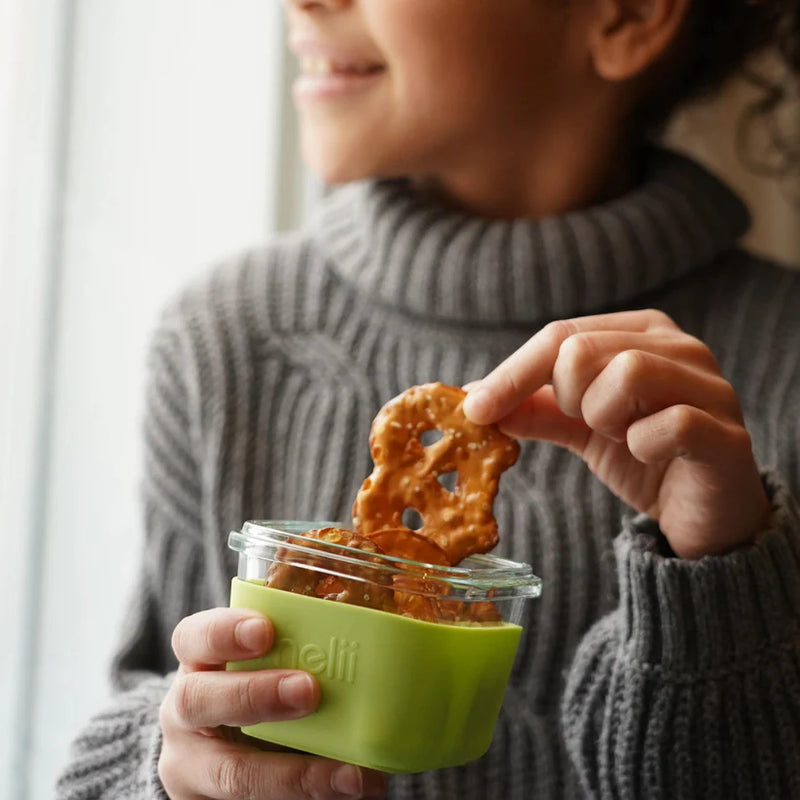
(502,208)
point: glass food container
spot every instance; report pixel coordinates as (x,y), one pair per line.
(412,676)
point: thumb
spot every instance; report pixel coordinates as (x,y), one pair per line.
(539,417)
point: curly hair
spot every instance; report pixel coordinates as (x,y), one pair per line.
(718,40)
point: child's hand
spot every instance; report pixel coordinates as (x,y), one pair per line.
(200,759)
(645,406)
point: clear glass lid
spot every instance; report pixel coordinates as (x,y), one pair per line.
(477,576)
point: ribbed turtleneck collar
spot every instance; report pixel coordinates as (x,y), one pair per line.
(405,251)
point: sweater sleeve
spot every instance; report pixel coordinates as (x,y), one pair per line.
(691,687)
(116,754)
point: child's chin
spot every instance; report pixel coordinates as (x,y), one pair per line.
(337,173)
(333,165)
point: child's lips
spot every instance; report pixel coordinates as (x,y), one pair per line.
(330,70)
(322,65)
(323,79)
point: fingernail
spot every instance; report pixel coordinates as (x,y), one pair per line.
(295,690)
(251,634)
(347,780)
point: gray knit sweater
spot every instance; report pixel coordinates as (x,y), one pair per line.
(638,675)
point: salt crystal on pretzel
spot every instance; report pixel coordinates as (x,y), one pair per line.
(406,472)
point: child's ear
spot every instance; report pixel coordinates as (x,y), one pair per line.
(629,36)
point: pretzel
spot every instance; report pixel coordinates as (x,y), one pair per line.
(301,572)
(406,472)
(417,597)
(404,543)
(425,598)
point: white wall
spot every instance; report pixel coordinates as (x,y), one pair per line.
(31,36)
(158,146)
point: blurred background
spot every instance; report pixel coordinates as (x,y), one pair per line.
(139,143)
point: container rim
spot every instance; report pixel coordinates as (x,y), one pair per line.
(476,575)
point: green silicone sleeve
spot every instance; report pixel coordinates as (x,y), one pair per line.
(397,694)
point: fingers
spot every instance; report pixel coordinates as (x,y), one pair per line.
(209,639)
(531,367)
(584,356)
(288,776)
(206,700)
(722,503)
(631,386)
(636,384)
(224,771)
(539,417)
(198,759)
(684,431)
(204,696)
(675,431)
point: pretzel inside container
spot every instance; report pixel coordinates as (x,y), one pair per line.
(309,567)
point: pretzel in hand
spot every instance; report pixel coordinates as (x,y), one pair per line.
(406,472)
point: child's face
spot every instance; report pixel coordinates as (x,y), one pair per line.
(428,87)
